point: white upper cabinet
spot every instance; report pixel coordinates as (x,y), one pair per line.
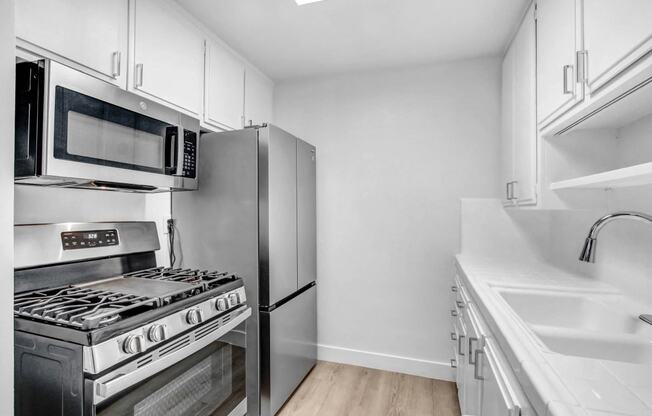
(519,129)
(558,40)
(224,91)
(89,33)
(507,122)
(168,56)
(259,97)
(616,34)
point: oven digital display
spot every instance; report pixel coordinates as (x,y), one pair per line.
(74,240)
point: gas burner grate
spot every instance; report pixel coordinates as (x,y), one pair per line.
(207,280)
(80,307)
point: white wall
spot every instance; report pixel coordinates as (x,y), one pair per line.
(7,82)
(396,149)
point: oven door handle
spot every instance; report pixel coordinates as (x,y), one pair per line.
(121,379)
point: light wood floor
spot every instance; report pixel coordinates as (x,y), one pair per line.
(342,390)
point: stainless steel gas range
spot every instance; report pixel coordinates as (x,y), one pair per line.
(100,329)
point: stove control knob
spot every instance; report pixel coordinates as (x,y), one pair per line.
(234,299)
(221,304)
(156,333)
(194,316)
(133,344)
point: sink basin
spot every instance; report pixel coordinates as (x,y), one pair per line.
(623,348)
(581,311)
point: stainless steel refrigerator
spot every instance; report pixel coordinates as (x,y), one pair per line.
(255,214)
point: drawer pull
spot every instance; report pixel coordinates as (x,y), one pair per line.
(471,356)
(460,304)
(453,336)
(453,312)
(460,349)
(453,363)
(478,365)
(453,288)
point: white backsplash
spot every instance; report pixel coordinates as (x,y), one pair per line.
(624,253)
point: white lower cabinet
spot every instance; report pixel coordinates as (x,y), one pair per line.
(485,381)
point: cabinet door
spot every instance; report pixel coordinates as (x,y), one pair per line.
(472,384)
(498,398)
(259,91)
(616,34)
(557,44)
(90,33)
(224,88)
(168,51)
(306,213)
(507,123)
(524,122)
(461,357)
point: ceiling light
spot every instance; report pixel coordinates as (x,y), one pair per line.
(302,2)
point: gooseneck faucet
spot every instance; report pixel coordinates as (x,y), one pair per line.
(588,251)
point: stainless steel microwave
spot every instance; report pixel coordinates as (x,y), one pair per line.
(73,130)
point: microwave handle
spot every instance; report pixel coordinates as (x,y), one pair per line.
(172,149)
(180,153)
(118,382)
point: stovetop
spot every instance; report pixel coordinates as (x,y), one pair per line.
(104,303)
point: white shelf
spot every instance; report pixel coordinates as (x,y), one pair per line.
(636,175)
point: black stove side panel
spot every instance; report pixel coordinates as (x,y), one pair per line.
(48,376)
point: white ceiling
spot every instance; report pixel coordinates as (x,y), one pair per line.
(287,41)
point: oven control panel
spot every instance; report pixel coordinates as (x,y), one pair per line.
(73,240)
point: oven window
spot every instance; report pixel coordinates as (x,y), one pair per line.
(210,382)
(92,131)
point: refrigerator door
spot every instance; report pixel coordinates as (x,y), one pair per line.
(306,213)
(217,225)
(289,348)
(278,214)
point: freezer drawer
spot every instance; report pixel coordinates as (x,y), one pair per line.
(288,350)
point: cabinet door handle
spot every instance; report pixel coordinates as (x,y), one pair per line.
(453,288)
(567,89)
(453,336)
(460,304)
(471,356)
(513,194)
(139,75)
(507,190)
(453,363)
(460,349)
(116,64)
(477,365)
(453,312)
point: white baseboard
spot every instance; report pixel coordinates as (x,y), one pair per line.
(413,366)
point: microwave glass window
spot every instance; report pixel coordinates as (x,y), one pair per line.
(102,139)
(92,131)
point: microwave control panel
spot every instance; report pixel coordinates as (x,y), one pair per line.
(73,240)
(189,154)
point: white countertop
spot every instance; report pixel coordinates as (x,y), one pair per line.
(555,384)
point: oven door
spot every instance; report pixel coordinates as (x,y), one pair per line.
(104,135)
(199,373)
